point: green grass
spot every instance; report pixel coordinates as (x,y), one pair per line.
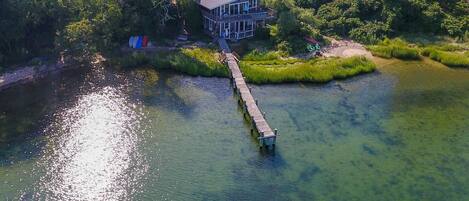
(257,55)
(197,62)
(259,67)
(451,59)
(318,70)
(395,48)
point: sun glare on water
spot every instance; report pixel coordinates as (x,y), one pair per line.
(93,154)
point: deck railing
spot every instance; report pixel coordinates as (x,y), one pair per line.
(257,14)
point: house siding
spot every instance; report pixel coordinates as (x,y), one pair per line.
(236,20)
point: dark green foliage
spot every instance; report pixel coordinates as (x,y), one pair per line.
(262,33)
(32,28)
(190,15)
(372,20)
(370,33)
(287,24)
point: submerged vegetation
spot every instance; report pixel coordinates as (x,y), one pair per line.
(197,61)
(296,70)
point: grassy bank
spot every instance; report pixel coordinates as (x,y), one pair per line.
(394,49)
(449,53)
(294,70)
(451,59)
(196,62)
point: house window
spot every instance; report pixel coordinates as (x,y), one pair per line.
(249,25)
(241,26)
(253,3)
(246,7)
(227,10)
(234,9)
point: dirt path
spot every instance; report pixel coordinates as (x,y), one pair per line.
(345,48)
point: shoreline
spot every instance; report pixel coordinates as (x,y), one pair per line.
(27,74)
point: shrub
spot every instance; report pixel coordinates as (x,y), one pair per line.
(447,58)
(284,48)
(370,32)
(262,33)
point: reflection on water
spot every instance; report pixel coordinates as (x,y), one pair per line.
(93,149)
(399,134)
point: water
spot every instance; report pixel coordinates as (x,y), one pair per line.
(95,134)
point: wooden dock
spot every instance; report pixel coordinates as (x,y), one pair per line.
(266,136)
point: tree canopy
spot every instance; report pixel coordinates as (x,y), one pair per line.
(32,27)
(371,20)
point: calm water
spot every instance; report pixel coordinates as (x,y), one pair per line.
(399,134)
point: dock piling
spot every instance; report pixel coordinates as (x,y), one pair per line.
(266,136)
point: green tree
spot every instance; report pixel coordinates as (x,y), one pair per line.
(190,15)
(287,24)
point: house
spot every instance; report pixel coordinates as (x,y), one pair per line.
(232,19)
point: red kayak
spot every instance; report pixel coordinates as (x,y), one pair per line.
(145,41)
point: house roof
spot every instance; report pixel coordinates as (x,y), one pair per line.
(211,4)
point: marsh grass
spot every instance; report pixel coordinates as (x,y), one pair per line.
(196,62)
(317,70)
(395,48)
(257,55)
(451,59)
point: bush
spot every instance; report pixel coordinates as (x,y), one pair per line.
(262,33)
(284,48)
(319,70)
(370,33)
(447,58)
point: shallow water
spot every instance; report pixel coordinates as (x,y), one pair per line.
(92,134)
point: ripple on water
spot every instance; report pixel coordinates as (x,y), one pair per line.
(93,151)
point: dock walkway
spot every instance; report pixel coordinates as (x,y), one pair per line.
(266,136)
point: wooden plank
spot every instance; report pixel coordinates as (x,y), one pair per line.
(248,101)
